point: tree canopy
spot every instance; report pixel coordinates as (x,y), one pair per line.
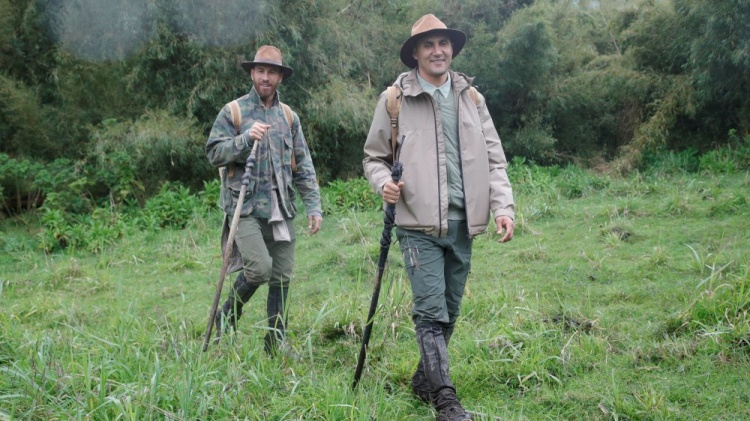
(565,80)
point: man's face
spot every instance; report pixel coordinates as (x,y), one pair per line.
(433,54)
(266,79)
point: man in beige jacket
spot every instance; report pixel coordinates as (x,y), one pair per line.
(454,175)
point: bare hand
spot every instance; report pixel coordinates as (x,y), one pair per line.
(258,130)
(392,191)
(313,223)
(504,223)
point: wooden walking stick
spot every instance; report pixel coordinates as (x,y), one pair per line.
(385,245)
(249,164)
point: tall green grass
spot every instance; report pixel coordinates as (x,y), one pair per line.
(619,298)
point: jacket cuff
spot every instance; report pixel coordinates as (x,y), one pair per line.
(509,212)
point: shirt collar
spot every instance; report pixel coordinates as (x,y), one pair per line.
(444,89)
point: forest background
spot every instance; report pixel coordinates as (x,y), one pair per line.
(106,115)
(625,293)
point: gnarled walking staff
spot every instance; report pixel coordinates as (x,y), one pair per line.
(385,244)
(249,164)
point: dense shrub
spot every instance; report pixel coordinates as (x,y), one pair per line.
(352,195)
(157,147)
(130,102)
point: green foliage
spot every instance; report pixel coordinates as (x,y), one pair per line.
(91,233)
(731,205)
(702,47)
(575,182)
(340,114)
(597,109)
(173,206)
(62,184)
(16,181)
(720,310)
(209,195)
(717,162)
(340,197)
(25,126)
(565,322)
(514,79)
(671,162)
(138,156)
(28,52)
(605,83)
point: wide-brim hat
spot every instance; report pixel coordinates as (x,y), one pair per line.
(426,25)
(268,54)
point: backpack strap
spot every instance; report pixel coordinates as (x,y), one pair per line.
(290,120)
(234,111)
(393,106)
(474,95)
(288,113)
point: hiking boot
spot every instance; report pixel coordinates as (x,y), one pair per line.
(419,384)
(453,412)
(275,340)
(434,360)
(231,311)
(433,351)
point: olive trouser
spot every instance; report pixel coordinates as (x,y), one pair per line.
(264,260)
(437,269)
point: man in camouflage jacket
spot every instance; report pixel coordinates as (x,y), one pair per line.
(265,233)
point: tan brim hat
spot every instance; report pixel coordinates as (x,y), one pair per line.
(268,54)
(426,25)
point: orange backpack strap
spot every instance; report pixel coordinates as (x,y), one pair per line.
(288,114)
(393,106)
(234,111)
(474,95)
(290,120)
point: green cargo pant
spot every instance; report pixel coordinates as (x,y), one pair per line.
(264,260)
(437,269)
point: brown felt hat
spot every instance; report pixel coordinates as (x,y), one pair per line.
(426,25)
(268,55)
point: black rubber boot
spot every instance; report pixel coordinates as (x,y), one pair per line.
(434,352)
(419,385)
(276,318)
(231,311)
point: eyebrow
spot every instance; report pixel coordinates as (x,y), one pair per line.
(434,40)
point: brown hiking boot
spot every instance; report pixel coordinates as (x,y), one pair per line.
(453,412)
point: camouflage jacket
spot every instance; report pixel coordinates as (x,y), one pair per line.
(273,159)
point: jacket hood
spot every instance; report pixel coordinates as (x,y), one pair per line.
(410,86)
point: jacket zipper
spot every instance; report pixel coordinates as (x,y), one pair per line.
(437,167)
(461,161)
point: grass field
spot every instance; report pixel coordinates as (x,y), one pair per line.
(619,298)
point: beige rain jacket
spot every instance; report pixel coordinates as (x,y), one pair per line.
(423,205)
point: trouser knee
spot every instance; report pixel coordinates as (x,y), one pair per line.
(258,272)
